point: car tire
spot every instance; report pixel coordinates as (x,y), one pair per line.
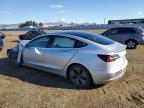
(131,44)
(79,76)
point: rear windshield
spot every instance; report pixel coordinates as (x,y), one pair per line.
(93,37)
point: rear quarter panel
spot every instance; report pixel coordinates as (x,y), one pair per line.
(88,59)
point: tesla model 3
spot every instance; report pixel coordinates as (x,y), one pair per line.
(84,58)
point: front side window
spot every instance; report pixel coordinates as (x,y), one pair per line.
(112,31)
(40,42)
(63,42)
(29,33)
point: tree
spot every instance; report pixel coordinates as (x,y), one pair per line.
(34,24)
(29,23)
(40,25)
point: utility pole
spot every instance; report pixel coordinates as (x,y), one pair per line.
(104,20)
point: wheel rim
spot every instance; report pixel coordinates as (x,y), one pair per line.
(78,76)
(131,44)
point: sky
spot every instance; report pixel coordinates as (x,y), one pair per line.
(78,11)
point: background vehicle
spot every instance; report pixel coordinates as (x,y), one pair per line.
(131,36)
(31,34)
(83,58)
(2,36)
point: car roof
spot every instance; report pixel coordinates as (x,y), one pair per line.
(133,27)
(70,33)
(37,31)
(74,33)
(89,37)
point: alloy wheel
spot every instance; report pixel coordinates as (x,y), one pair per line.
(79,76)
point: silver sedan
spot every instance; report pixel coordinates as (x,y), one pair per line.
(84,58)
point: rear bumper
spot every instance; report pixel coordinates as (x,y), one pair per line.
(105,77)
(105,81)
(141,43)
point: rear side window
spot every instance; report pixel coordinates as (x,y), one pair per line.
(80,44)
(126,30)
(36,33)
(93,37)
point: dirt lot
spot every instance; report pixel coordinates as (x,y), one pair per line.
(29,88)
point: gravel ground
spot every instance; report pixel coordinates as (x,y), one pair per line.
(29,88)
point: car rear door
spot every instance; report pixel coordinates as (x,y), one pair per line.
(34,53)
(117,34)
(60,53)
(125,33)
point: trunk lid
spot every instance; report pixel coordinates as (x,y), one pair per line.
(116,49)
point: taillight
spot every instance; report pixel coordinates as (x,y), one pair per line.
(109,58)
(143,35)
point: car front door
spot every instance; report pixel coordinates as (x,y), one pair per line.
(60,53)
(112,34)
(34,52)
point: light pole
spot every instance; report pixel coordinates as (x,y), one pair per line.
(104,20)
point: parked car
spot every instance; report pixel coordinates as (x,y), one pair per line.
(131,36)
(84,58)
(31,34)
(2,36)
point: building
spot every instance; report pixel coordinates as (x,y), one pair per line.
(127,21)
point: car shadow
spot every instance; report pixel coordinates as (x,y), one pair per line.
(37,77)
(14,41)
